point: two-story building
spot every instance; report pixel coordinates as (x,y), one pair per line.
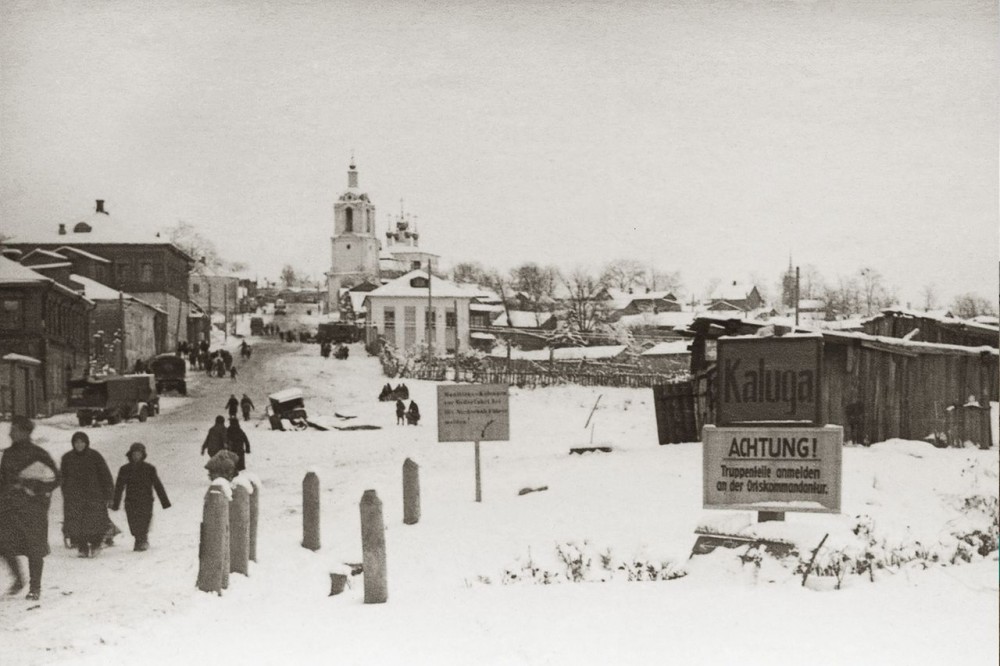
(44,339)
(138,263)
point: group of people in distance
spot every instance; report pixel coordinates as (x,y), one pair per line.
(29,475)
(227,447)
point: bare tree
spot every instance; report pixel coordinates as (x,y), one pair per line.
(657,280)
(875,294)
(843,299)
(185,236)
(539,283)
(929,296)
(468,272)
(623,274)
(288,276)
(811,282)
(585,310)
(969,305)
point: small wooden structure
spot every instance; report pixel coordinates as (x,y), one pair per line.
(876,387)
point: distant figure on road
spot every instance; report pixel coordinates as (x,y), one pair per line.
(232,405)
(137,480)
(87,489)
(413,414)
(215,441)
(246,404)
(400,413)
(28,475)
(237,442)
(232,373)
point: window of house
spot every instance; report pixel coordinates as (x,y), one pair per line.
(450,318)
(13,314)
(146,272)
(349,220)
(124,274)
(414,265)
(195,288)
(389,315)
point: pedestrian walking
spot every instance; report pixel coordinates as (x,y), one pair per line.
(87,489)
(413,414)
(28,475)
(232,373)
(232,405)
(215,441)
(137,480)
(400,413)
(237,442)
(246,405)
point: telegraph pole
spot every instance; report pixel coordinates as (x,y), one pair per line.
(796,295)
(430,312)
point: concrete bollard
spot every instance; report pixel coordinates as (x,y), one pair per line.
(239,531)
(254,513)
(411,492)
(213,553)
(310,511)
(373,548)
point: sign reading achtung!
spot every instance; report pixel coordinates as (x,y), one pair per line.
(769,381)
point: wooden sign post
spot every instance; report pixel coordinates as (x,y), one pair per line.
(477,413)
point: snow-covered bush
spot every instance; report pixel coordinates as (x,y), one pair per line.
(582,563)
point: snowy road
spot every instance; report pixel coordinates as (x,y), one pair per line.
(641,502)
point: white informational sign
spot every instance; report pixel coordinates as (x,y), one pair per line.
(473,413)
(772,468)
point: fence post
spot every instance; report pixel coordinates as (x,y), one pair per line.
(310,511)
(411,492)
(239,530)
(254,514)
(373,548)
(213,554)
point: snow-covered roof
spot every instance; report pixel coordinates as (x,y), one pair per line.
(940,316)
(668,348)
(523,319)
(476,335)
(440,288)
(485,307)
(48,254)
(659,320)
(12,272)
(96,291)
(732,291)
(620,298)
(83,253)
(811,304)
(21,358)
(286,395)
(59,264)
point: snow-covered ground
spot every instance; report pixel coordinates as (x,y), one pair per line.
(453,598)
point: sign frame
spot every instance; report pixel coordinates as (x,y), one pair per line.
(493,426)
(728,346)
(713,436)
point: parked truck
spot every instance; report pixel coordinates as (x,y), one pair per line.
(170,372)
(114,399)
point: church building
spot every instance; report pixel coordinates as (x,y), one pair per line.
(355,246)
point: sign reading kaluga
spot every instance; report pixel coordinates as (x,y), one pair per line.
(769,380)
(473,413)
(772,468)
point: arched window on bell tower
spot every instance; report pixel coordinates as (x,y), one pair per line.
(348,220)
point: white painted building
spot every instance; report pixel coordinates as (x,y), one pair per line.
(398,312)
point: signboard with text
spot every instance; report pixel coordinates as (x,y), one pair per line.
(773,381)
(772,468)
(473,413)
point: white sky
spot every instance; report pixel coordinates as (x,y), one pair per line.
(708,137)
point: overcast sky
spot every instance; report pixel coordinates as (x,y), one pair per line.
(713,138)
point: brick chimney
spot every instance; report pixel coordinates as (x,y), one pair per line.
(100,206)
(62,229)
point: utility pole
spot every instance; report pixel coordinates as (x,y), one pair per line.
(796,295)
(225,310)
(123,359)
(430,312)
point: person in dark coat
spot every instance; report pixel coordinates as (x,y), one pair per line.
(137,480)
(246,405)
(237,442)
(87,489)
(232,405)
(215,441)
(400,413)
(413,414)
(28,475)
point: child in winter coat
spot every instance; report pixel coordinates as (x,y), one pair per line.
(137,480)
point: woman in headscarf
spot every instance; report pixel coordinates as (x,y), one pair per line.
(88,489)
(28,475)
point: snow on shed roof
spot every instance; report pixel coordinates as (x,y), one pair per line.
(12,272)
(563,353)
(660,319)
(45,253)
(96,291)
(83,253)
(668,348)
(732,291)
